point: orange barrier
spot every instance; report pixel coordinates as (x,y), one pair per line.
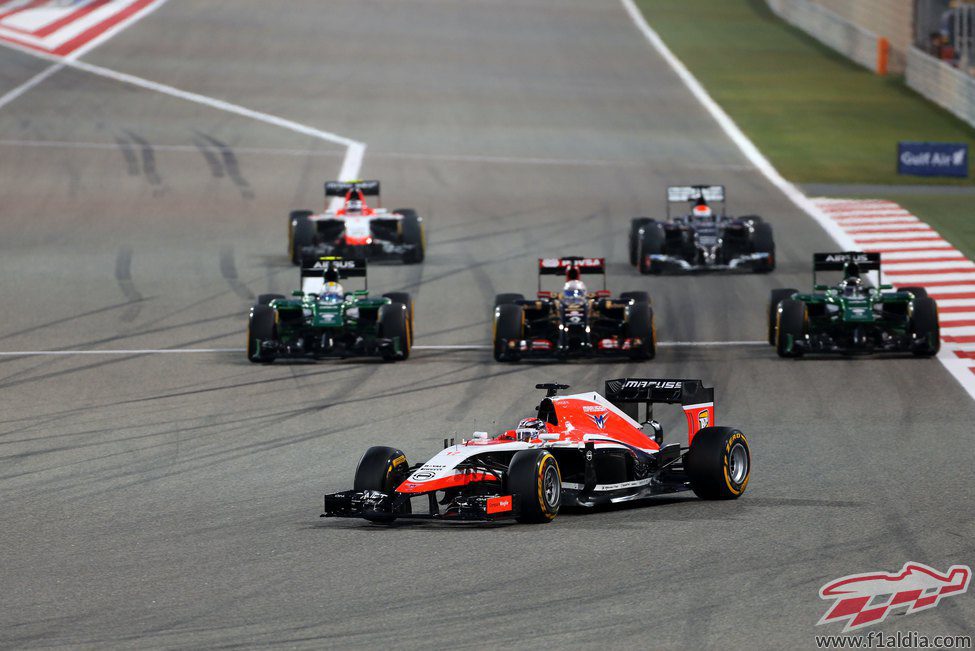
(883,55)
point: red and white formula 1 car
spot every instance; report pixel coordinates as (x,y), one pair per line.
(580,450)
(356,230)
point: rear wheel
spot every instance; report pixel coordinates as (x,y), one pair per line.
(501,299)
(925,328)
(762,242)
(509,325)
(639,297)
(413,236)
(535,484)
(382,469)
(791,328)
(635,226)
(301,233)
(639,325)
(778,295)
(393,321)
(919,292)
(651,243)
(719,463)
(260,328)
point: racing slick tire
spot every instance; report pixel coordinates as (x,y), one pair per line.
(535,484)
(919,292)
(651,243)
(265,299)
(412,233)
(394,322)
(404,298)
(639,323)
(260,327)
(501,299)
(382,469)
(639,297)
(509,325)
(924,326)
(778,295)
(719,463)
(791,322)
(635,226)
(762,242)
(301,233)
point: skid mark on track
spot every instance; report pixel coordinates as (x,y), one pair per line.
(123,275)
(228,269)
(129,155)
(227,162)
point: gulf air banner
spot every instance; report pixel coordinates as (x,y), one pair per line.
(932,159)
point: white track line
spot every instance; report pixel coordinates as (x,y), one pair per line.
(822,213)
(11,95)
(170,351)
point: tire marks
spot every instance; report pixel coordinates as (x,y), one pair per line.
(123,275)
(140,159)
(228,269)
(222,161)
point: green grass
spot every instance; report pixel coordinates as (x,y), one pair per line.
(817,116)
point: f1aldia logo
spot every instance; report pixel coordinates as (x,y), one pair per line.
(862,600)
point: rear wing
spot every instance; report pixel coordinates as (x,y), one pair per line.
(686,193)
(313,272)
(695,399)
(837,262)
(561,267)
(341,188)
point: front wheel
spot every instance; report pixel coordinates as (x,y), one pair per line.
(394,324)
(925,328)
(651,242)
(762,242)
(778,295)
(640,326)
(634,244)
(301,233)
(790,329)
(260,328)
(719,463)
(382,469)
(509,326)
(535,484)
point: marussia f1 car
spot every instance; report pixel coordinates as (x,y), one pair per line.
(702,240)
(323,320)
(356,230)
(580,450)
(851,317)
(573,322)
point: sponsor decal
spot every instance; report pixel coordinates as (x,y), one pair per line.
(599,419)
(399,461)
(704,418)
(652,384)
(423,475)
(499,504)
(593,408)
(861,600)
(932,159)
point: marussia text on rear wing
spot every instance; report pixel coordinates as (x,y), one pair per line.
(341,188)
(696,400)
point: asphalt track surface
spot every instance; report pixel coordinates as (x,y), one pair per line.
(172,500)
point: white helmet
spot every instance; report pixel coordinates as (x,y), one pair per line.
(332,292)
(574,289)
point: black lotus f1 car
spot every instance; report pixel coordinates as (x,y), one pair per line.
(573,322)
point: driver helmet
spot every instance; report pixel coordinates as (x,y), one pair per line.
(332,292)
(851,286)
(353,207)
(529,428)
(702,211)
(574,289)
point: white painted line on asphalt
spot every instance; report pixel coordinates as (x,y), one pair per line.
(11,95)
(170,351)
(750,151)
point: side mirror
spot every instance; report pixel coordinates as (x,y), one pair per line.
(656,431)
